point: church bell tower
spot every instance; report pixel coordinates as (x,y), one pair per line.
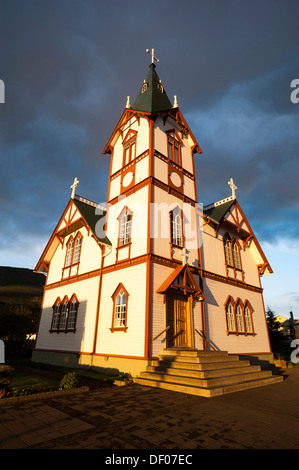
(152,209)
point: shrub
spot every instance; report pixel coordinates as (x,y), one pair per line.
(30,390)
(69,381)
(6,373)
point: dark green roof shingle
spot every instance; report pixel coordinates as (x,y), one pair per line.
(154,98)
(218,212)
(88,213)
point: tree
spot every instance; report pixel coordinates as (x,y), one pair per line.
(16,323)
(280,343)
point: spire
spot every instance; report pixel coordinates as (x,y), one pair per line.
(152,97)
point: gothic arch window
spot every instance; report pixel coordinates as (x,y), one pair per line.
(239,316)
(236,254)
(73,250)
(248,317)
(72,313)
(129,147)
(56,314)
(228,250)
(65,314)
(174,147)
(230,316)
(77,249)
(125,227)
(232,256)
(120,308)
(176,226)
(69,252)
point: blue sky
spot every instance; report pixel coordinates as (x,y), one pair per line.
(68,67)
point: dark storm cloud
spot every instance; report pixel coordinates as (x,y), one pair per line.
(251,133)
(68,67)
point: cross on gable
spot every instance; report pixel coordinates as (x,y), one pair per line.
(233,187)
(73,187)
(152,53)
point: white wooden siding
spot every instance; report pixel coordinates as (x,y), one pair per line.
(90,258)
(164,203)
(138,204)
(131,342)
(216,294)
(82,340)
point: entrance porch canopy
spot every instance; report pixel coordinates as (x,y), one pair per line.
(182,280)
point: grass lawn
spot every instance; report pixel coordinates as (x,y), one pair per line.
(27,376)
(22,379)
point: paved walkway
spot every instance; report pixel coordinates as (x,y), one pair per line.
(137,417)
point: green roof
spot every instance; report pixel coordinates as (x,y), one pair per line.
(152,98)
(88,212)
(218,212)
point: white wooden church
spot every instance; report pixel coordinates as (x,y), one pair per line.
(151,271)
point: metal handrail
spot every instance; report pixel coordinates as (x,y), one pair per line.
(203,337)
(165,329)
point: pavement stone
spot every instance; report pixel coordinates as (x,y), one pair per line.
(139,417)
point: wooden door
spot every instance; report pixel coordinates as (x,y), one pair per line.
(181,336)
(179,321)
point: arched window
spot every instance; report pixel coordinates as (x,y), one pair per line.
(77,249)
(232,256)
(176,227)
(248,317)
(73,250)
(56,314)
(125,227)
(230,317)
(72,315)
(228,251)
(120,308)
(239,317)
(63,314)
(129,146)
(236,255)
(174,147)
(69,253)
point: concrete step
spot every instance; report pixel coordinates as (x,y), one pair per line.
(200,366)
(202,374)
(206,382)
(198,359)
(208,392)
(192,352)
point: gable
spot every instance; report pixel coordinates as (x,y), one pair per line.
(182,280)
(229,216)
(76,215)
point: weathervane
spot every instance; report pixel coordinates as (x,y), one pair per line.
(233,187)
(152,53)
(73,187)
